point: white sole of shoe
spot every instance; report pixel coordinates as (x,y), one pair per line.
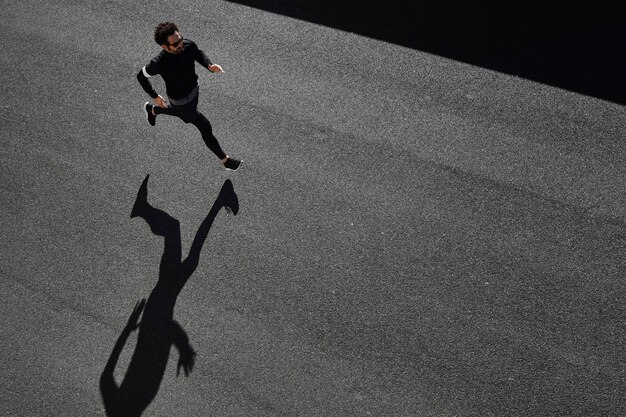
(240,164)
(146,112)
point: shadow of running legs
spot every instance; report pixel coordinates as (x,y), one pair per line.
(158,331)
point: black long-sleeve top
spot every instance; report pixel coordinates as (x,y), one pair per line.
(178,70)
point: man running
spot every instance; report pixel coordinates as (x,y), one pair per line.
(175,63)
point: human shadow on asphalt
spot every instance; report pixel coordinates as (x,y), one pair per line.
(158,331)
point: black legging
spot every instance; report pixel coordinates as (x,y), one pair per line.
(189,113)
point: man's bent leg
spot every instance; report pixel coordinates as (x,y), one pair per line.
(169,110)
(204,126)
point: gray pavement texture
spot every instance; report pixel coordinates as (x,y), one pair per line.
(416,236)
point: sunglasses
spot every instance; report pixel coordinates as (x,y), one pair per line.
(175,44)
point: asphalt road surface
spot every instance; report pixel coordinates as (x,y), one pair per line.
(416,236)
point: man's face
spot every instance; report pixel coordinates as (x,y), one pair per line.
(174,43)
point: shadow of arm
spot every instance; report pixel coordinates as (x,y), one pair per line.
(108,386)
(186,352)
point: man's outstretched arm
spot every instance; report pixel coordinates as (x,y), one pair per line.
(204,60)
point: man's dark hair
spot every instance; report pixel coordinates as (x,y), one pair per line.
(163,30)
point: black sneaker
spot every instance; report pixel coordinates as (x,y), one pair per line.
(232,164)
(151,117)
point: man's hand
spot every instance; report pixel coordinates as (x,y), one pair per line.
(160,101)
(215,68)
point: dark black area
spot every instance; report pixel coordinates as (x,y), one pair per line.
(576,45)
(158,331)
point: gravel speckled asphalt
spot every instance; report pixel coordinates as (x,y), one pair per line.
(416,236)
